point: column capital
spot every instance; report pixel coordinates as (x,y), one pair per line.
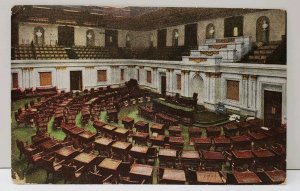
(141,67)
(245,76)
(87,67)
(27,69)
(115,67)
(253,77)
(215,74)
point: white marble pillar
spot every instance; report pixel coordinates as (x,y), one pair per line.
(244,100)
(252,92)
(207,86)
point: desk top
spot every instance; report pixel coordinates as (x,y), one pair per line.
(121,131)
(66,151)
(174,174)
(209,177)
(179,140)
(109,127)
(257,136)
(247,177)
(157,126)
(48,144)
(221,140)
(212,155)
(85,158)
(276,176)
(103,141)
(127,120)
(141,169)
(98,123)
(243,154)
(157,138)
(110,164)
(87,135)
(263,153)
(75,131)
(202,140)
(195,130)
(141,124)
(139,149)
(175,128)
(121,145)
(230,126)
(190,155)
(167,152)
(140,135)
(240,138)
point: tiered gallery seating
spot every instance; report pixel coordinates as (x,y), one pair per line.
(51,53)
(23,52)
(144,151)
(86,52)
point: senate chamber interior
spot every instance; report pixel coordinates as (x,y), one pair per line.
(148,95)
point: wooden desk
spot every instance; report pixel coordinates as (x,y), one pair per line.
(195,132)
(158,128)
(230,128)
(99,125)
(142,126)
(213,156)
(263,153)
(121,133)
(87,137)
(257,136)
(75,131)
(167,153)
(222,142)
(108,130)
(213,131)
(140,137)
(140,171)
(175,130)
(276,176)
(157,140)
(110,164)
(127,122)
(67,127)
(209,177)
(49,145)
(112,115)
(174,176)
(138,151)
(190,155)
(121,147)
(241,142)
(85,158)
(244,127)
(247,177)
(66,152)
(176,142)
(243,154)
(103,143)
(202,143)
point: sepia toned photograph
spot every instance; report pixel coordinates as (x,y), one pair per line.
(148,95)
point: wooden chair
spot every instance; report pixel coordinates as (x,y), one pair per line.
(71,173)
(151,155)
(191,176)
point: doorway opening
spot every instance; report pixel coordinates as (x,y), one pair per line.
(65,36)
(272,108)
(233,26)
(76,80)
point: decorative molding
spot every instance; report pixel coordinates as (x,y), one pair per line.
(209,53)
(245,76)
(90,67)
(215,74)
(198,60)
(27,69)
(253,77)
(207,74)
(141,67)
(217,46)
(115,67)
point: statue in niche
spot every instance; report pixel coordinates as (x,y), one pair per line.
(90,38)
(265,27)
(39,36)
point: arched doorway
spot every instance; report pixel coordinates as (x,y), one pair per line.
(197,85)
(262,29)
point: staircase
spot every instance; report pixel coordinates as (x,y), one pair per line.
(71,53)
(271,53)
(225,50)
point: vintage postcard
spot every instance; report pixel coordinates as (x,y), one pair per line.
(148,95)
